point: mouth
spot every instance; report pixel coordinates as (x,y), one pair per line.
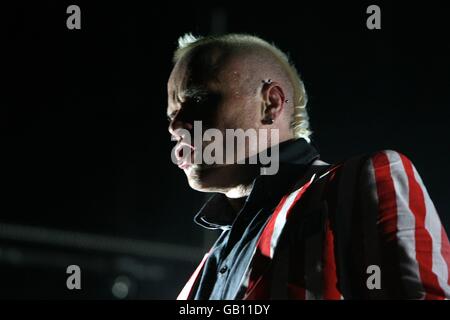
(184,153)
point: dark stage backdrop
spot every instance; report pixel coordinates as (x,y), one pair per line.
(86,177)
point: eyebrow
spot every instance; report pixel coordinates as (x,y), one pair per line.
(191,92)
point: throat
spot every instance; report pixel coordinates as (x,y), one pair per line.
(237,203)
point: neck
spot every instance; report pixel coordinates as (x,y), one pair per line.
(238,190)
(237,203)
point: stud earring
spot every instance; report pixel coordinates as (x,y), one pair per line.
(268,120)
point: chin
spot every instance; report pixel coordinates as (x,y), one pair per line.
(203,178)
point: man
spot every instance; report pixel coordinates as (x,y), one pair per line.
(362,229)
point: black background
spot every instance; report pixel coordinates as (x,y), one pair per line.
(84,138)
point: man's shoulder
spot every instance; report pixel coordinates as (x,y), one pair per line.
(380,162)
(372,169)
(365,173)
(375,172)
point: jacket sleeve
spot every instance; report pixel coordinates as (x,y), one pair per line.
(413,244)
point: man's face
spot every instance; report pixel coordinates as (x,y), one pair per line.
(217,94)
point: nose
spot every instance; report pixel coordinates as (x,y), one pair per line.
(177,123)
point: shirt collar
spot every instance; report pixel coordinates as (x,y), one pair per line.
(295,157)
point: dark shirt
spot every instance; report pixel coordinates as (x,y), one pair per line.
(232,252)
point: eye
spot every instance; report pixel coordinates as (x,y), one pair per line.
(198,99)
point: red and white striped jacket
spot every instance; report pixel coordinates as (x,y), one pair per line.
(345,226)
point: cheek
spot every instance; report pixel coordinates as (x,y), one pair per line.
(248,115)
(237,114)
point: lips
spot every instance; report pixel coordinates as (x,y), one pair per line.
(184,154)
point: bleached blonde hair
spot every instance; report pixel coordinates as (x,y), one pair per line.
(300,119)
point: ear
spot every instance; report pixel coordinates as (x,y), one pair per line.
(273,102)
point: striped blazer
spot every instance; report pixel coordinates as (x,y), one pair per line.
(362,229)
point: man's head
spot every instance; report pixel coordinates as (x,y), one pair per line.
(232,82)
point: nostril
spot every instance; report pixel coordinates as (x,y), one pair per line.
(180,153)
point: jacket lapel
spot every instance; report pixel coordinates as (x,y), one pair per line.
(254,283)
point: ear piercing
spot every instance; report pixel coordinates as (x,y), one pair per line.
(269,81)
